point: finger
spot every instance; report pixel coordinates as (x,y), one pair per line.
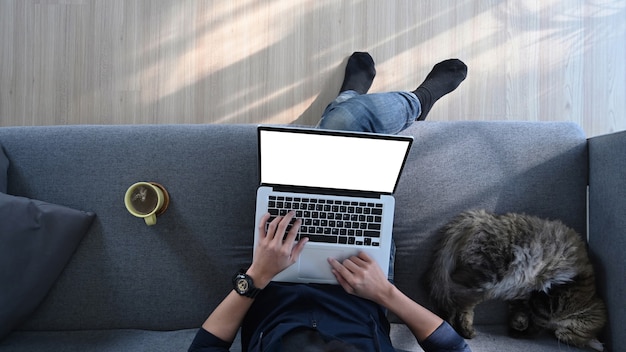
(271,229)
(339,267)
(282,226)
(358,261)
(293,233)
(368,263)
(352,264)
(333,263)
(295,227)
(342,282)
(263,224)
(295,253)
(365,257)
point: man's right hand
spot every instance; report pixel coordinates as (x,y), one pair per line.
(273,254)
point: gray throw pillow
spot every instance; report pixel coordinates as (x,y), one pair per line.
(37,239)
(4,168)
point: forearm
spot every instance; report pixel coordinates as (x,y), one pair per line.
(226,319)
(418,319)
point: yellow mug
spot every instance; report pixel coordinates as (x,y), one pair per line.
(146,200)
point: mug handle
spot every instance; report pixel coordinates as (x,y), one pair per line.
(150,220)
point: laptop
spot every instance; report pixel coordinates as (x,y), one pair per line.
(340,184)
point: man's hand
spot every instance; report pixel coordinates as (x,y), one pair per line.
(274,251)
(361,276)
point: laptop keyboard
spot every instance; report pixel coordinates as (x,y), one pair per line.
(332,221)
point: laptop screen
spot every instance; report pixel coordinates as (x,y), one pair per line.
(331,159)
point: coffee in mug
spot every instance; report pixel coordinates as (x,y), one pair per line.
(146,200)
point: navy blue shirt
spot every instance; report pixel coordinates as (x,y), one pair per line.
(329,310)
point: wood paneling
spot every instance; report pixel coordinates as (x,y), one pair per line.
(248,61)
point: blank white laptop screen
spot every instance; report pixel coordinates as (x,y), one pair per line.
(331,161)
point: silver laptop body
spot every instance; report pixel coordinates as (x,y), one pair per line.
(340,184)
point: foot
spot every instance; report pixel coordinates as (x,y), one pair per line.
(360,73)
(443,79)
(464,324)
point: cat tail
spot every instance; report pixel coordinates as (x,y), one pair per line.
(453,284)
(440,277)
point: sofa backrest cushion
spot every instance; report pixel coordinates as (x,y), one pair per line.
(170,276)
(4,167)
(524,167)
(607,221)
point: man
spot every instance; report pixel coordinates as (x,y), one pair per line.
(349,316)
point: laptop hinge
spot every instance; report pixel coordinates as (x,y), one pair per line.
(329,191)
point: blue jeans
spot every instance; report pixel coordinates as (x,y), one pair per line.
(387,113)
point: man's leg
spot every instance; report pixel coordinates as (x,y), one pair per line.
(387,113)
(391,112)
(354,110)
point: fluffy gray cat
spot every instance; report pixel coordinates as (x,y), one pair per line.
(539,266)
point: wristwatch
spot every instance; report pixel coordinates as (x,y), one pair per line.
(244,285)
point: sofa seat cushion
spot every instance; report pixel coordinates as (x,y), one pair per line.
(100,340)
(491,338)
(37,239)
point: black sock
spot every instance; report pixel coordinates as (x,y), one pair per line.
(360,73)
(443,79)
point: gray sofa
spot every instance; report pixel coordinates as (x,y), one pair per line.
(130,287)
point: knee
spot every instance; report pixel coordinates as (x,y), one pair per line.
(340,119)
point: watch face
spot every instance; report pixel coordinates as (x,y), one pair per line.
(242,285)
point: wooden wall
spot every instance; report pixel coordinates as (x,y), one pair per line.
(276,61)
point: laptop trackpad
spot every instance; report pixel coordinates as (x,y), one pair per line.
(313,263)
